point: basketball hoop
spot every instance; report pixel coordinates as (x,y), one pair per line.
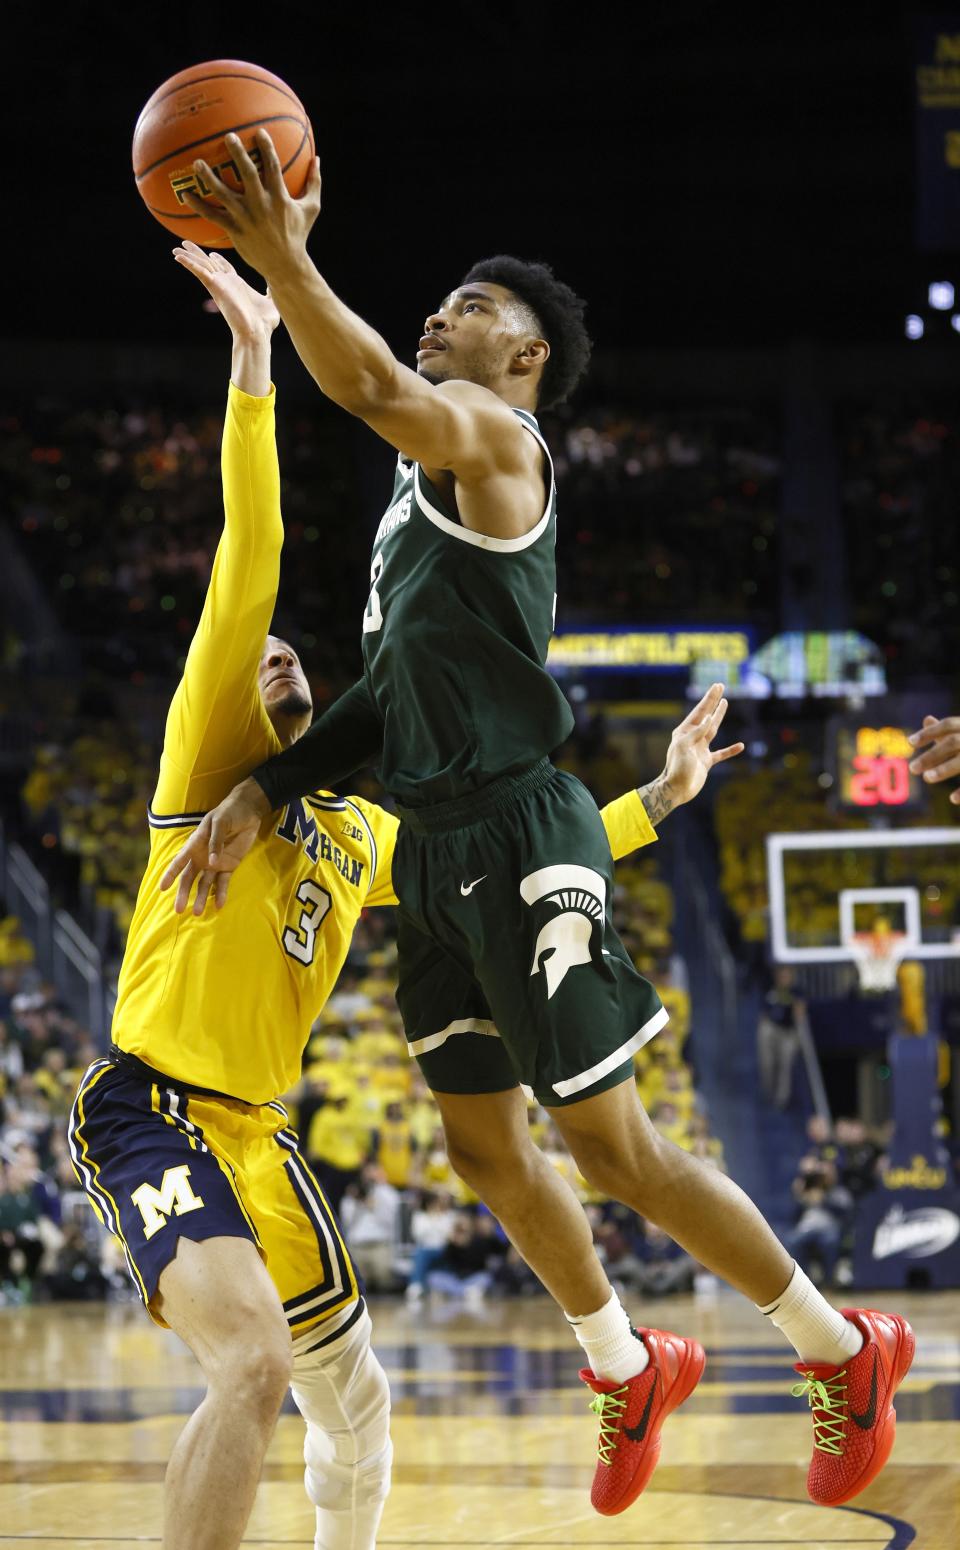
(877,955)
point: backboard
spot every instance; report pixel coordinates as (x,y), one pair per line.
(828,888)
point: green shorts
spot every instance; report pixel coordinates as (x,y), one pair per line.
(510,970)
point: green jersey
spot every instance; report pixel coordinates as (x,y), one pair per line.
(455,638)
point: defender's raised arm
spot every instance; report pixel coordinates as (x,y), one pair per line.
(216,726)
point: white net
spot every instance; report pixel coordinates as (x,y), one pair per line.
(878,955)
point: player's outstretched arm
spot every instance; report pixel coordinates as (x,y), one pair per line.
(457,425)
(250,315)
(941,758)
(690,757)
(292,773)
(215,724)
(346,737)
(689,761)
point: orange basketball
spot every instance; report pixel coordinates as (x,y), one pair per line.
(188,116)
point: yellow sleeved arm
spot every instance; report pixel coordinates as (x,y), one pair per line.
(217,728)
(627,825)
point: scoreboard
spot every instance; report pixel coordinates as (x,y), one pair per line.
(797,665)
(871,768)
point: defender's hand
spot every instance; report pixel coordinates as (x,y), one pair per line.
(268,227)
(248,313)
(942,758)
(690,757)
(216,847)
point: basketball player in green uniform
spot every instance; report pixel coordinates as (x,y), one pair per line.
(511,975)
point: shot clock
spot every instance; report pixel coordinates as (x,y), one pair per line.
(871,766)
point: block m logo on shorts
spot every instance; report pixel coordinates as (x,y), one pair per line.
(572,934)
(175,1196)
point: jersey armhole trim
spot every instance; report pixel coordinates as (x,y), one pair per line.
(329,803)
(174,820)
(374,858)
(483,540)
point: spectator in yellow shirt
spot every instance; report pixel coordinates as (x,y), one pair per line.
(395,1146)
(338,1145)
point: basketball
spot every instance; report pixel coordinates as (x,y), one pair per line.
(187,118)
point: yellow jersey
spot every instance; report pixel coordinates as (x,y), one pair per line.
(225,1001)
(340,1137)
(395,1151)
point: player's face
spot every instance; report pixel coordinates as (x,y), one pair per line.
(473,336)
(283,683)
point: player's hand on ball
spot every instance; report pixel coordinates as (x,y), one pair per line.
(942,758)
(216,848)
(248,312)
(690,757)
(267,226)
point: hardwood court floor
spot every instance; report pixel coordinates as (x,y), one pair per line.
(494,1443)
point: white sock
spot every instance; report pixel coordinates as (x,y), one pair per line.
(612,1349)
(817,1332)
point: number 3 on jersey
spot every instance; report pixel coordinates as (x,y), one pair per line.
(300,941)
(373,618)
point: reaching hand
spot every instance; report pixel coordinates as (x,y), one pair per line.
(942,758)
(268,227)
(216,848)
(690,757)
(247,311)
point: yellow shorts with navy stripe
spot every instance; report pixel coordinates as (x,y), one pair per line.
(159,1163)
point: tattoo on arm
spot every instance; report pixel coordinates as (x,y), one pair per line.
(658,800)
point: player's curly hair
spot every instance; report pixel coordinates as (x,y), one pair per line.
(559,315)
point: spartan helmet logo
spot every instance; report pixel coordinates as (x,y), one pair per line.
(580,896)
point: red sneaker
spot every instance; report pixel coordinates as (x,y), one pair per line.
(854,1422)
(632,1413)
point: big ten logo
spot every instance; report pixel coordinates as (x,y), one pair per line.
(174,1197)
(190,181)
(352,832)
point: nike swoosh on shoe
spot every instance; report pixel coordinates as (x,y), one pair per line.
(866,1420)
(638,1432)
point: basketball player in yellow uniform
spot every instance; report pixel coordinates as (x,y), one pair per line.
(177,1135)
